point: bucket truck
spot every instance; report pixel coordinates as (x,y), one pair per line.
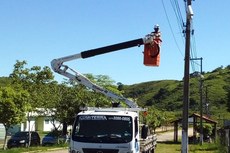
(115,129)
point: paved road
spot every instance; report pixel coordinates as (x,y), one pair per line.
(58,151)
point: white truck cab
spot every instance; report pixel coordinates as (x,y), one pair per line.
(105,131)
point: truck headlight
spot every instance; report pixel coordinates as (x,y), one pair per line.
(22,141)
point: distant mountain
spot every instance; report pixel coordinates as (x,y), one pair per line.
(168,94)
(4,81)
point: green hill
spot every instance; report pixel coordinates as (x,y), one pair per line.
(168,94)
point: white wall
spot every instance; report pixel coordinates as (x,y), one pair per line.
(48,125)
(28,125)
(2,131)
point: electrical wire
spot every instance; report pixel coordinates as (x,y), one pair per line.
(181,25)
(193,50)
(171,27)
(178,14)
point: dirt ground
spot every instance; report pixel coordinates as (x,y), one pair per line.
(168,136)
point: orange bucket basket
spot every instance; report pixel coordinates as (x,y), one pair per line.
(152,53)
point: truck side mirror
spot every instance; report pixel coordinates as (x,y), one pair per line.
(144,131)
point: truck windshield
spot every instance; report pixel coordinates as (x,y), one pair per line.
(102,129)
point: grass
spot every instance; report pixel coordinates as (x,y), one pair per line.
(34,149)
(169,147)
(166,147)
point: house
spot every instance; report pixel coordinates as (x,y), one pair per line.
(2,131)
(40,123)
(40,120)
(194,119)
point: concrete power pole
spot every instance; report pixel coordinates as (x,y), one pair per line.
(201,98)
(184,143)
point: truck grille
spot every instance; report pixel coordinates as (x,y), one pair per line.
(85,150)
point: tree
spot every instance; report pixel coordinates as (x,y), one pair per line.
(13,107)
(35,74)
(154,118)
(34,81)
(107,83)
(72,96)
(101,80)
(207,130)
(120,86)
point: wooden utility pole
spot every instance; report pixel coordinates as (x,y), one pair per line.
(206,101)
(184,143)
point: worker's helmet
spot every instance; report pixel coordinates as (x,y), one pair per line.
(156,26)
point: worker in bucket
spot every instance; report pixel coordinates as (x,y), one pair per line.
(156,33)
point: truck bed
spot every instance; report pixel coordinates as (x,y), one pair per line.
(148,144)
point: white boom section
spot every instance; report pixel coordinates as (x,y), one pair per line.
(58,66)
(78,77)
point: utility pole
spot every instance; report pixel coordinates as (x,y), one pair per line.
(184,143)
(201,99)
(206,101)
(201,104)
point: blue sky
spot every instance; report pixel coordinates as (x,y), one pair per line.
(40,30)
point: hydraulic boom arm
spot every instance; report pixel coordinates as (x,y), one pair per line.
(59,67)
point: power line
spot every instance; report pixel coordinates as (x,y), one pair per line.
(193,49)
(171,27)
(178,14)
(180,22)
